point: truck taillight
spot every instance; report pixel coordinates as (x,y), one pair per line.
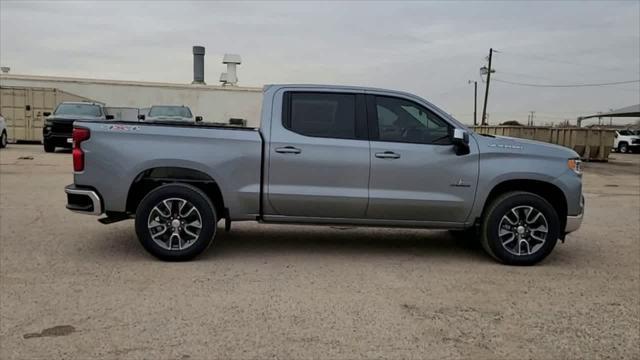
(79,135)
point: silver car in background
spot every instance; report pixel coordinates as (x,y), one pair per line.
(169,113)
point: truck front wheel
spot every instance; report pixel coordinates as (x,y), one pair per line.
(623,147)
(520,228)
(48,147)
(176,222)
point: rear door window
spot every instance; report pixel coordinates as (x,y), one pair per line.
(319,114)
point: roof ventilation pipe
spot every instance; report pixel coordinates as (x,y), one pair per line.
(198,65)
(231,76)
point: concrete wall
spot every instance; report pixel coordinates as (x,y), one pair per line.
(213,103)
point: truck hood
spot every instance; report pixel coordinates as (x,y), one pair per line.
(491,143)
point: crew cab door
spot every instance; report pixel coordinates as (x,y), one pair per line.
(415,172)
(318,155)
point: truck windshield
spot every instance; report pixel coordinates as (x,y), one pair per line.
(78,109)
(178,111)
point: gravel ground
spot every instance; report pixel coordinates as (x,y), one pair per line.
(73,288)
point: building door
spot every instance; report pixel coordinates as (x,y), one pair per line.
(13,106)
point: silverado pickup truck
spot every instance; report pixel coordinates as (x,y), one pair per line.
(626,141)
(327,155)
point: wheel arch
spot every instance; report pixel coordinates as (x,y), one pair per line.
(548,191)
(153,177)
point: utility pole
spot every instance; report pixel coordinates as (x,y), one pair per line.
(531,121)
(486,91)
(475,101)
(610,118)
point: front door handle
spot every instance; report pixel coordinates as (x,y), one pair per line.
(387,155)
(288,150)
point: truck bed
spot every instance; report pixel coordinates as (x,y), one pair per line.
(230,155)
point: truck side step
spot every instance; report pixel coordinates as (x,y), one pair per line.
(113,217)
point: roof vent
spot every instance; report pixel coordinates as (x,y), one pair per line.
(230,77)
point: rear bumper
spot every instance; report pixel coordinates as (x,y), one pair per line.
(83,200)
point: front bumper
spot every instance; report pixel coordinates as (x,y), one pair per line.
(58,139)
(574,221)
(83,200)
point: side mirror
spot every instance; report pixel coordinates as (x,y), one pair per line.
(460,141)
(109,117)
(141,117)
(198,118)
(46,113)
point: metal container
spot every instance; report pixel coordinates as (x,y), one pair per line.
(23,109)
(590,144)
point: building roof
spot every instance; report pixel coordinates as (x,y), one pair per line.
(124,82)
(628,111)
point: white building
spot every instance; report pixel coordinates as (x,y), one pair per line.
(26,97)
(214,103)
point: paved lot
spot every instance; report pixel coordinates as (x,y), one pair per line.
(73,288)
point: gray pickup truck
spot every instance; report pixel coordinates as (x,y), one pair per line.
(327,155)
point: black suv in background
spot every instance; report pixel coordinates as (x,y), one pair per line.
(59,125)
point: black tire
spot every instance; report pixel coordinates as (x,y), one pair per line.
(500,207)
(48,147)
(3,140)
(623,147)
(198,200)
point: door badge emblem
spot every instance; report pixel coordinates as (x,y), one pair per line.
(461,183)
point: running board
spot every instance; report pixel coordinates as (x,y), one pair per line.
(113,218)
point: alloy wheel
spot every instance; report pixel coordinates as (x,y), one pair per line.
(523,230)
(174,224)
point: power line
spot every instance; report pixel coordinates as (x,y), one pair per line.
(560,61)
(616,87)
(567,85)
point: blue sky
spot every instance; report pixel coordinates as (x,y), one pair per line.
(428,48)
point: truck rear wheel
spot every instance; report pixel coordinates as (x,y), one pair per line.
(176,222)
(520,228)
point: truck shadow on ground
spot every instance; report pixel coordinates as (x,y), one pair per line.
(275,240)
(352,241)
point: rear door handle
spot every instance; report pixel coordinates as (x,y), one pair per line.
(288,150)
(387,155)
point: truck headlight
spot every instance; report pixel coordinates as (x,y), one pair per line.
(575,165)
